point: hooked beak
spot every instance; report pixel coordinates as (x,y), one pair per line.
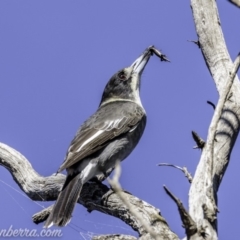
(140,63)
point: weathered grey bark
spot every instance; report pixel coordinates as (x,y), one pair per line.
(114,237)
(224,127)
(201,220)
(153,232)
(94,196)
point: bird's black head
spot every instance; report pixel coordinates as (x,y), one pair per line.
(125,84)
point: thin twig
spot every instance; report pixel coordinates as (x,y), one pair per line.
(195,42)
(212,104)
(114,182)
(183,169)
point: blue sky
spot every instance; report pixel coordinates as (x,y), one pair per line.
(56,57)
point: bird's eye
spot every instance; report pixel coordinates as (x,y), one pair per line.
(122,76)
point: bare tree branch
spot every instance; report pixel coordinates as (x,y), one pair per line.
(118,189)
(219,108)
(199,141)
(114,237)
(235,2)
(188,223)
(183,169)
(225,123)
(94,195)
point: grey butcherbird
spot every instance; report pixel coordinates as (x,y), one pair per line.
(108,136)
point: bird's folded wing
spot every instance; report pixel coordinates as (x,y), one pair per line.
(105,125)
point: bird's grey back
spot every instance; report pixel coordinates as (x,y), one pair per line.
(110,121)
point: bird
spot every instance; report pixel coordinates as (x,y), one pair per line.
(105,138)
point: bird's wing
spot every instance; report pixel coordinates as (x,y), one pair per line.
(106,124)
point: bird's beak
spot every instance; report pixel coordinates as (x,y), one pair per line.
(140,63)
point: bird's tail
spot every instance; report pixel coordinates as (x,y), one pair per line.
(62,210)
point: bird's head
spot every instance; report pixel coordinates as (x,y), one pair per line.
(125,84)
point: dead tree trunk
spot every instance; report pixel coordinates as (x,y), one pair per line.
(200,221)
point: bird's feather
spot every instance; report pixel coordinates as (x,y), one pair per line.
(105,125)
(62,210)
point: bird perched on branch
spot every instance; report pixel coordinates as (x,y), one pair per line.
(107,137)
